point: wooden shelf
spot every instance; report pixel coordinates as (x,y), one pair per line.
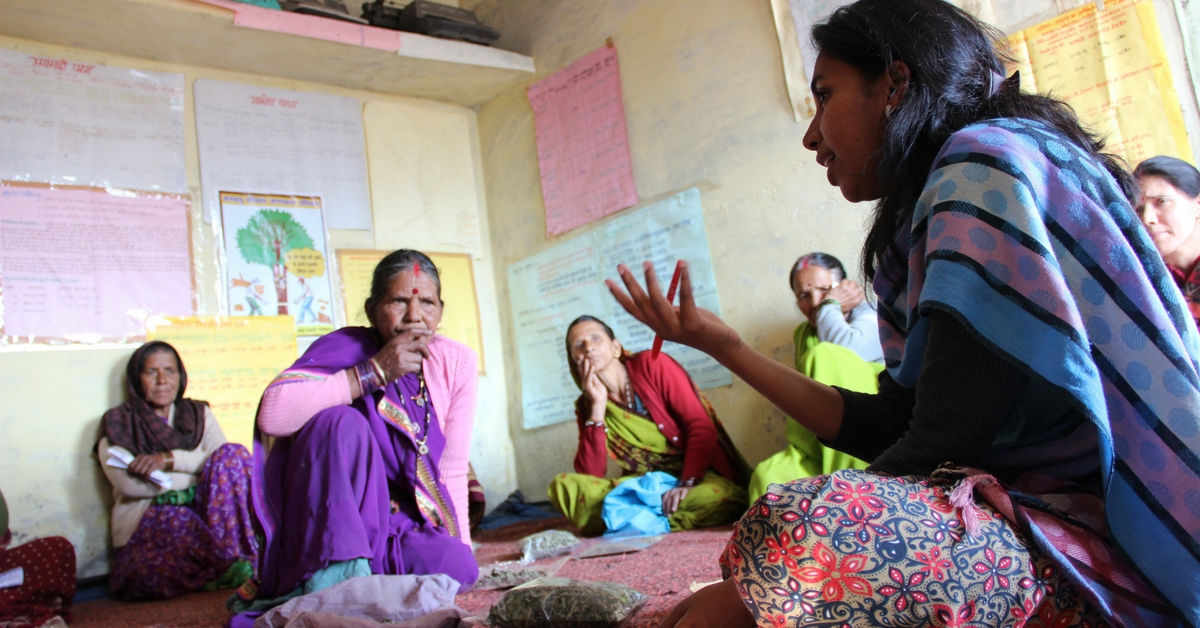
(320,50)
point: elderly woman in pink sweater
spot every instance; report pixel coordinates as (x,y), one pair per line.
(371,428)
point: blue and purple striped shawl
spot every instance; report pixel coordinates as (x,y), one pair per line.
(1027,240)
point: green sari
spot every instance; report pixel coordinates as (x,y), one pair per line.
(805,456)
(638,447)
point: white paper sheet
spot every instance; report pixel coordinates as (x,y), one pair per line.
(12,578)
(71,123)
(276,141)
(554,287)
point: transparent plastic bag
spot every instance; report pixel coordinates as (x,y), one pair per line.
(546,544)
(606,546)
(513,573)
(567,603)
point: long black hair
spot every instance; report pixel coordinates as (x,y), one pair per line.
(1179,173)
(952,61)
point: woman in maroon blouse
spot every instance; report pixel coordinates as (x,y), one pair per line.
(647,415)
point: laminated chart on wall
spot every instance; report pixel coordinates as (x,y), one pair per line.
(794,20)
(460,314)
(423,191)
(229,362)
(556,286)
(583,146)
(89,265)
(70,123)
(1111,67)
(277,141)
(276,259)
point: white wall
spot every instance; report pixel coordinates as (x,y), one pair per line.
(52,398)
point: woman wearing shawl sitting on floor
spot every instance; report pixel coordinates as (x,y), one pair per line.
(838,345)
(1031,333)
(367,473)
(197,534)
(1170,211)
(647,415)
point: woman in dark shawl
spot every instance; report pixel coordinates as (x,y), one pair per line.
(195,532)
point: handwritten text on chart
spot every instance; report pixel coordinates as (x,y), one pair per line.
(61,65)
(70,123)
(554,287)
(283,142)
(583,147)
(81,262)
(1110,66)
(267,101)
(230,361)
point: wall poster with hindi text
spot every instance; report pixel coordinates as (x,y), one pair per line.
(286,142)
(69,123)
(460,311)
(556,286)
(230,360)
(1111,67)
(276,259)
(582,143)
(89,265)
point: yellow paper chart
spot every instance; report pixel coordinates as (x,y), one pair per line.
(460,318)
(1111,67)
(229,361)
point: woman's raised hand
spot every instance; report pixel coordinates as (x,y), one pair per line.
(685,324)
(593,386)
(848,293)
(404,353)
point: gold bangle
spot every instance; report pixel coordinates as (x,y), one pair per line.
(378,371)
(168,461)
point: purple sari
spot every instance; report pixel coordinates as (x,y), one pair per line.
(352,484)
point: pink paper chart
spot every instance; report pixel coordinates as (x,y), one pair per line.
(583,146)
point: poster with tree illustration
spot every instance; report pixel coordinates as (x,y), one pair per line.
(276,261)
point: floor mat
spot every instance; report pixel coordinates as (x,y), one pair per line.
(663,572)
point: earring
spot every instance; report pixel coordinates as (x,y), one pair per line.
(887,111)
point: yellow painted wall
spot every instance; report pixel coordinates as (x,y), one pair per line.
(51,399)
(706,107)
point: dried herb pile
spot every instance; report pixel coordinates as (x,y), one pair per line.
(546,545)
(566,603)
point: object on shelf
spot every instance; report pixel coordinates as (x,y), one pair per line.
(429,18)
(335,9)
(266,4)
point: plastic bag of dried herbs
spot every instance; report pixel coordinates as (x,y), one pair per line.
(546,544)
(566,603)
(512,573)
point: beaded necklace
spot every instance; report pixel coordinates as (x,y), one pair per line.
(420,398)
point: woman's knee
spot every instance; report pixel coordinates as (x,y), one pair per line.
(339,425)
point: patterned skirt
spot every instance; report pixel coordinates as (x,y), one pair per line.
(49,585)
(180,549)
(859,549)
